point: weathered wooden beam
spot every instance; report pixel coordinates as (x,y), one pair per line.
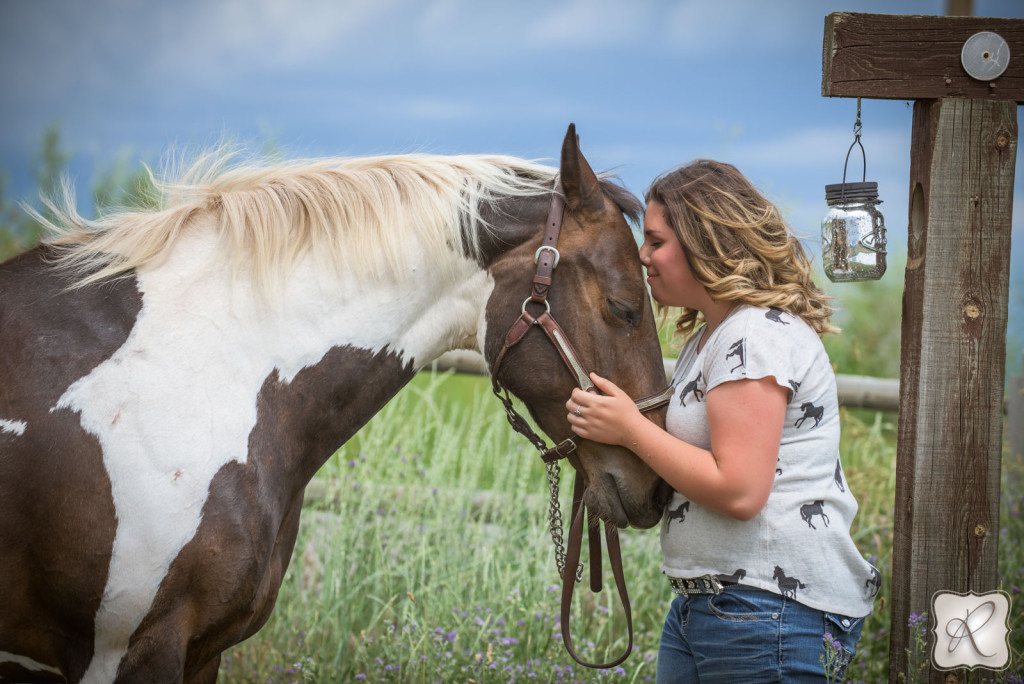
(955,305)
(901,57)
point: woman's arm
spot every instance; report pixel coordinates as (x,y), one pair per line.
(734,478)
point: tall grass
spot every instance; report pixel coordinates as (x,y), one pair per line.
(424,557)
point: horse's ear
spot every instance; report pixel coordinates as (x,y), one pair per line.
(579,182)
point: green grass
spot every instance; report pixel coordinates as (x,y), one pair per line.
(424,556)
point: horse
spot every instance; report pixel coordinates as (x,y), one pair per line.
(787,585)
(810,411)
(171,379)
(678,513)
(738,349)
(692,386)
(808,511)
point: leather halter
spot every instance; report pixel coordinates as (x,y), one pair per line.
(546,258)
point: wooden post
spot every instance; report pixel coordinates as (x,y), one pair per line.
(963,152)
(954,350)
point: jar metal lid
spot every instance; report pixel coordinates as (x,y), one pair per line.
(851,191)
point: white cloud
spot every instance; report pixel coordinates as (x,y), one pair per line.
(593,24)
(230,36)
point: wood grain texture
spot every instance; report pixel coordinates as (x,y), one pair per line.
(899,57)
(952,365)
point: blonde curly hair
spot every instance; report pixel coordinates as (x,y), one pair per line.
(737,244)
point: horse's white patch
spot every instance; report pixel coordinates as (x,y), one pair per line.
(178,400)
(14,427)
(27,663)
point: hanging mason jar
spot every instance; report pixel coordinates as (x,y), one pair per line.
(853,233)
(853,230)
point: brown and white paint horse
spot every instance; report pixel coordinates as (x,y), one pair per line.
(171,380)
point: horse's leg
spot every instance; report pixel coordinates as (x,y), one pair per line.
(164,665)
(159,657)
(155,658)
(208,674)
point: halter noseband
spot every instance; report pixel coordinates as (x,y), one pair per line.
(546,258)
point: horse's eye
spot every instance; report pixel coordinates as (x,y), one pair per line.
(622,310)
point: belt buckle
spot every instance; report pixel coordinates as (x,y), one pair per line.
(696,586)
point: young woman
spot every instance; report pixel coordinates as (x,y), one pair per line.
(756,539)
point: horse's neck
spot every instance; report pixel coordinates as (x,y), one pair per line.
(212,372)
(300,423)
(315,308)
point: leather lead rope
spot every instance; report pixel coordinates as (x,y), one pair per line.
(572,558)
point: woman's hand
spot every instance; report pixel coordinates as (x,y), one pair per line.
(609,418)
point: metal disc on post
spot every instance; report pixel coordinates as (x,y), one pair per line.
(985,56)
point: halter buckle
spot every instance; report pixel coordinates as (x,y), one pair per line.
(570,445)
(560,450)
(549,248)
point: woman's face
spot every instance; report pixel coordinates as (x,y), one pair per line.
(668,272)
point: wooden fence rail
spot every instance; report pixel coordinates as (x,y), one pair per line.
(855,391)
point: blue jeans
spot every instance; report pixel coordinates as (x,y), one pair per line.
(751,636)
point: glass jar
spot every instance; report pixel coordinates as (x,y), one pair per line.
(853,233)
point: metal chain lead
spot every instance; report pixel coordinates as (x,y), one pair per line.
(554,472)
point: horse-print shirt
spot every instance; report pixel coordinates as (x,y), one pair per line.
(799,545)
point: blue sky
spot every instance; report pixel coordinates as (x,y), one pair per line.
(649,84)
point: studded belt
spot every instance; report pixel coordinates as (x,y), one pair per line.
(697,586)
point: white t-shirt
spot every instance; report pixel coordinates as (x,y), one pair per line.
(799,545)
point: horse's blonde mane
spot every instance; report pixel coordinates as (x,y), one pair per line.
(367,215)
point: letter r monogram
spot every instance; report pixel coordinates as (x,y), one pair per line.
(970,630)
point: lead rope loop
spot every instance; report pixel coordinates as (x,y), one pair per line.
(614,560)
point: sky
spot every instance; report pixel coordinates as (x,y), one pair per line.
(650,84)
